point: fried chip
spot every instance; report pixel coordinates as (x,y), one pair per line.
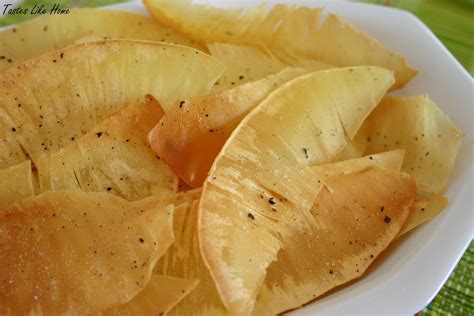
(190,135)
(244,64)
(16,183)
(262,175)
(352,221)
(391,160)
(51,32)
(183,260)
(113,157)
(424,210)
(160,295)
(50,101)
(296,32)
(78,253)
(431,141)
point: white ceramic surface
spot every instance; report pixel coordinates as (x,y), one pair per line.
(414,269)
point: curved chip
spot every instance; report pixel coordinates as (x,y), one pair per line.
(190,135)
(352,221)
(50,101)
(160,295)
(424,210)
(16,183)
(113,157)
(261,178)
(297,32)
(51,32)
(183,260)
(244,64)
(431,141)
(391,160)
(79,253)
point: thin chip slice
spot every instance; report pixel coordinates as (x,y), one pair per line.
(356,147)
(244,64)
(113,157)
(424,210)
(78,253)
(48,102)
(16,183)
(261,178)
(391,160)
(160,295)
(431,141)
(51,32)
(295,31)
(301,62)
(190,136)
(183,260)
(350,225)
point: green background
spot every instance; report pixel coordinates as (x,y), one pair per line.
(453,22)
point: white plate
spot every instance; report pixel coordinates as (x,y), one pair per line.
(416,267)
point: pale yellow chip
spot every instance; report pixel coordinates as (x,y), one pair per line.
(351,222)
(424,210)
(355,147)
(190,135)
(261,177)
(16,183)
(296,32)
(70,252)
(51,32)
(113,157)
(391,160)
(52,100)
(160,295)
(244,64)
(430,140)
(183,260)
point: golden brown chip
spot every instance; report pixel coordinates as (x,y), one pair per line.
(78,253)
(51,32)
(16,183)
(430,140)
(183,260)
(424,210)
(261,177)
(160,295)
(351,222)
(113,157)
(190,135)
(52,100)
(299,33)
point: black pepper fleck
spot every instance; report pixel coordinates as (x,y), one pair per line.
(305,151)
(387,219)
